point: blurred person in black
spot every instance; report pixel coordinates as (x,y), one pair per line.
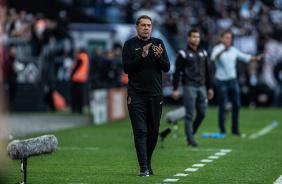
(193,63)
(278,87)
(253,83)
(144,59)
(106,73)
(96,68)
(79,78)
(10,76)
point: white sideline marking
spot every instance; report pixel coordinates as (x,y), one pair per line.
(78,148)
(213,157)
(220,153)
(173,180)
(191,169)
(209,149)
(181,174)
(278,181)
(263,131)
(198,165)
(206,160)
(226,150)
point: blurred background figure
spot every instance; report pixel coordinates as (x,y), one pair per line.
(96,68)
(3,140)
(79,77)
(278,87)
(253,83)
(11,67)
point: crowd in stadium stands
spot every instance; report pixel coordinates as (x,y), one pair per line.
(37,29)
(255,24)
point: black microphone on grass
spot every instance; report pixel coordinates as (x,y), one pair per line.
(22,149)
(163,134)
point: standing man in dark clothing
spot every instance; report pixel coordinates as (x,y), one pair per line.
(197,83)
(144,58)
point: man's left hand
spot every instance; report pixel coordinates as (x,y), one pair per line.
(158,51)
(259,57)
(210,94)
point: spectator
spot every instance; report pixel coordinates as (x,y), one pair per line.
(148,10)
(278,87)
(79,78)
(11,68)
(253,83)
(170,25)
(96,68)
(225,22)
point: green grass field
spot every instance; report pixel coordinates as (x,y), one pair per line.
(105,154)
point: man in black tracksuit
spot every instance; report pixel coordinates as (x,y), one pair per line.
(197,83)
(144,58)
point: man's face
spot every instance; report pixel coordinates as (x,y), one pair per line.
(144,28)
(226,39)
(194,39)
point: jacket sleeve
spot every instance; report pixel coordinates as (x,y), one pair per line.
(163,60)
(178,69)
(209,78)
(129,63)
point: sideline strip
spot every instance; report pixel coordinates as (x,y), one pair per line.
(173,180)
(213,157)
(198,165)
(221,153)
(191,169)
(264,131)
(209,149)
(278,181)
(181,174)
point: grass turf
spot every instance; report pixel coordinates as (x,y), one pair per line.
(106,154)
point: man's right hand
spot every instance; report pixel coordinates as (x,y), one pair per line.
(175,95)
(226,48)
(146,50)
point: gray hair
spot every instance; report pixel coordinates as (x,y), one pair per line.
(142,17)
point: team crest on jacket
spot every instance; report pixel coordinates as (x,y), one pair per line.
(129,100)
(154,47)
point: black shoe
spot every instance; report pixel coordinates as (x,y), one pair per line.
(150,171)
(193,143)
(143,173)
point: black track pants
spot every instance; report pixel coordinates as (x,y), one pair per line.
(145,114)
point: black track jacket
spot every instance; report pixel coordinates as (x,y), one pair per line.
(194,67)
(144,74)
